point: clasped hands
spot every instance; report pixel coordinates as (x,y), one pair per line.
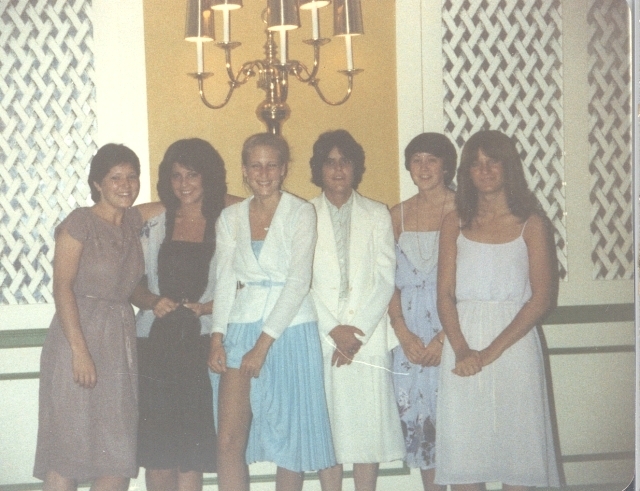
(347,344)
(469,361)
(165,306)
(416,351)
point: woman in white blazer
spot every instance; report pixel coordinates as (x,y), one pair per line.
(353,280)
(265,343)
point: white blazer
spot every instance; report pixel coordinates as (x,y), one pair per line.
(275,286)
(372,264)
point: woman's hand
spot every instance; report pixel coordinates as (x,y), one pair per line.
(252,362)
(432,353)
(347,344)
(217,355)
(253,359)
(200,308)
(412,346)
(468,363)
(84,370)
(164,306)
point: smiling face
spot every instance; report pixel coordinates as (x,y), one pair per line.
(337,174)
(186,184)
(264,172)
(487,174)
(427,171)
(120,187)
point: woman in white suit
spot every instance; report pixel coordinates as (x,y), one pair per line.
(265,342)
(353,280)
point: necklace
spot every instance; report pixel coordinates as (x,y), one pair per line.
(431,248)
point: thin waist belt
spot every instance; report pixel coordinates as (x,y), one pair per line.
(103,299)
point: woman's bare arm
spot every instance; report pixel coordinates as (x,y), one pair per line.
(467,360)
(66,261)
(541,276)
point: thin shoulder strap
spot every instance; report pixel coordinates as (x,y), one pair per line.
(524,226)
(402,215)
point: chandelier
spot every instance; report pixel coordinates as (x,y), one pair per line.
(274,70)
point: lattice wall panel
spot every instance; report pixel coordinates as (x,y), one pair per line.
(47,124)
(610,139)
(503,71)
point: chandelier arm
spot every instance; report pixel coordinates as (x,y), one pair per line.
(248,69)
(316,85)
(232,86)
(298,69)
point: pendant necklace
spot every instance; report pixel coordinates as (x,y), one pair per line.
(432,249)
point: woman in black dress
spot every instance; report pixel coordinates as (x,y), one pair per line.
(176,436)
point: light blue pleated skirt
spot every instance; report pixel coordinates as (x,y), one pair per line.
(290,424)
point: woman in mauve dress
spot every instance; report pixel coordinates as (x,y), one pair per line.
(88,369)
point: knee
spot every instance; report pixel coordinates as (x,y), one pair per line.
(231,441)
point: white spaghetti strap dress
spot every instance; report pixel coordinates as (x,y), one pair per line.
(495,425)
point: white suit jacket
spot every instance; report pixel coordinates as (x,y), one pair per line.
(372,264)
(274,286)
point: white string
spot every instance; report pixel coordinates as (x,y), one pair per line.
(364,362)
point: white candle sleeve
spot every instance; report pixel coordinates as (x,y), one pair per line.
(226,25)
(315,23)
(347,42)
(200,56)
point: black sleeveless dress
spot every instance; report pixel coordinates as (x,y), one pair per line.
(176,428)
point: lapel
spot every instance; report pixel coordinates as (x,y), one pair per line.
(359,235)
(244,235)
(326,242)
(275,235)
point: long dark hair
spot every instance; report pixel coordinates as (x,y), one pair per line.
(498,146)
(197,155)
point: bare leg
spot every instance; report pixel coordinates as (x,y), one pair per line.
(190,481)
(287,480)
(234,418)
(161,479)
(110,483)
(55,482)
(365,476)
(428,476)
(331,478)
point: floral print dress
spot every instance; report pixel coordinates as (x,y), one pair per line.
(416,387)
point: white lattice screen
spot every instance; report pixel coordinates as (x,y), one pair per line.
(503,71)
(610,139)
(47,128)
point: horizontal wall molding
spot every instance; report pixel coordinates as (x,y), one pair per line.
(591,314)
(593,350)
(597,457)
(565,314)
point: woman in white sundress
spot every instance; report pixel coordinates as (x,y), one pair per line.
(431,160)
(496,280)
